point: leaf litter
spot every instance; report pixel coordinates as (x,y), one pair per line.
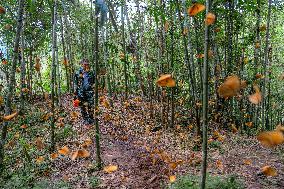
(142,156)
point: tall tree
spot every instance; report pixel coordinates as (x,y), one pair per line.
(266,62)
(96,53)
(205,99)
(53,73)
(12,81)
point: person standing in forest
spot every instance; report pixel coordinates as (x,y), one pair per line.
(84,82)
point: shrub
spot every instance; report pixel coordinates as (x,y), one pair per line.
(192,182)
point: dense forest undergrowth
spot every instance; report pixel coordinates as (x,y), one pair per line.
(145,153)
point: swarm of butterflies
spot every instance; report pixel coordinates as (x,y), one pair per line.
(232,86)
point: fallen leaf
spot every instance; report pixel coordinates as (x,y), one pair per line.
(269,171)
(110,168)
(24,126)
(80,153)
(64,151)
(234,128)
(53,156)
(39,144)
(172,178)
(40,159)
(9,117)
(219,164)
(247,162)
(243,84)
(87,142)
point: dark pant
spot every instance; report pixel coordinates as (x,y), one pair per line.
(87,104)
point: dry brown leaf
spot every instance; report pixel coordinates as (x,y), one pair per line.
(39,144)
(210,18)
(39,159)
(249,124)
(269,171)
(166,80)
(230,87)
(195,9)
(9,117)
(24,126)
(64,151)
(80,153)
(262,27)
(258,76)
(167,25)
(279,128)
(219,164)
(110,168)
(271,138)
(172,178)
(247,161)
(53,156)
(87,142)
(256,97)
(257,45)
(2,10)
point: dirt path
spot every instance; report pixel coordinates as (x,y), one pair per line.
(146,159)
(135,169)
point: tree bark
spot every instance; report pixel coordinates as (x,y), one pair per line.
(53,74)
(205,100)
(266,62)
(98,147)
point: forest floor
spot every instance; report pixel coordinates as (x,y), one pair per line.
(147,154)
(146,159)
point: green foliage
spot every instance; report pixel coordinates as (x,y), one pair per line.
(45,184)
(17,180)
(192,182)
(215,144)
(26,180)
(94,181)
(65,132)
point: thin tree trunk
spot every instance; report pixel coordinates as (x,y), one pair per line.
(124,50)
(98,147)
(65,59)
(68,47)
(23,70)
(31,74)
(58,77)
(205,100)
(12,81)
(53,74)
(190,64)
(266,62)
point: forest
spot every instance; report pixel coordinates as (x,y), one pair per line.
(150,94)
